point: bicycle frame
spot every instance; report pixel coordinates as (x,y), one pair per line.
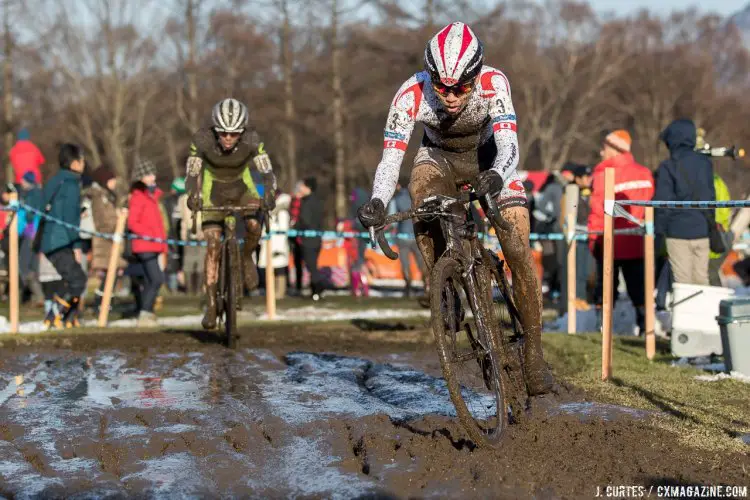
(458,228)
(229,291)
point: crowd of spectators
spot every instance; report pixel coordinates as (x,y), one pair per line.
(58,262)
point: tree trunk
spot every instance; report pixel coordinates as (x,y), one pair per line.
(192,77)
(88,133)
(8,93)
(288,65)
(338,115)
(429,13)
(172,153)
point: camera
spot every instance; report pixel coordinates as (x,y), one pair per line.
(702,147)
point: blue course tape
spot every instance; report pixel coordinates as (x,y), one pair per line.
(686,204)
(293,233)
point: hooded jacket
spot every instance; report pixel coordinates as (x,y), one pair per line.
(685,176)
(632,182)
(63,193)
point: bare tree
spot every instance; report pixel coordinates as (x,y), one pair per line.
(338,112)
(107,76)
(287,63)
(562,96)
(7,87)
(187,109)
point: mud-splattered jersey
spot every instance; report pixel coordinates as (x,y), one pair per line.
(488,114)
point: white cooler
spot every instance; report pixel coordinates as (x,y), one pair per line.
(695,331)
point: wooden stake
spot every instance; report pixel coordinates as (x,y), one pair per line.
(270,280)
(114,259)
(571,210)
(648,264)
(13,265)
(607,300)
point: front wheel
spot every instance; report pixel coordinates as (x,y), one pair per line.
(468,353)
(231,294)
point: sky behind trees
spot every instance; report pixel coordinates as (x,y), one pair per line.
(722,7)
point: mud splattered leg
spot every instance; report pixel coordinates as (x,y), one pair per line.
(526,294)
(251,243)
(211,274)
(428,179)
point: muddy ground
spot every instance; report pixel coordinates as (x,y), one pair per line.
(339,410)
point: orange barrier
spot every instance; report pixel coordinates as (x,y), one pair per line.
(379,266)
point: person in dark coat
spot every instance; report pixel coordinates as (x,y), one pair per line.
(685,176)
(61,244)
(311,219)
(547,215)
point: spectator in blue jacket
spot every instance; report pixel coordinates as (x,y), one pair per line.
(30,195)
(685,176)
(61,242)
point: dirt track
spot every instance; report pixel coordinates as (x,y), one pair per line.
(175,414)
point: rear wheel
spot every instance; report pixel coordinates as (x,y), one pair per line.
(468,353)
(505,318)
(231,283)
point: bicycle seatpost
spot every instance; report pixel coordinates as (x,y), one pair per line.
(373,240)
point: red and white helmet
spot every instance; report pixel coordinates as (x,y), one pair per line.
(454,56)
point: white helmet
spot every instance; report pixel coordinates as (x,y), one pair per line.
(454,56)
(229,115)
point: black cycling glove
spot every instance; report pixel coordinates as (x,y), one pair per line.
(372,213)
(488,182)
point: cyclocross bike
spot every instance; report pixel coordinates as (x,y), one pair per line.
(475,323)
(229,289)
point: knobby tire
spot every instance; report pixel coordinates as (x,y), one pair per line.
(483,433)
(508,330)
(231,282)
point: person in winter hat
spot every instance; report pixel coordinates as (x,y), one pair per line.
(105,199)
(145,219)
(632,182)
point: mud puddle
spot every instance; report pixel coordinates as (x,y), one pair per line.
(253,423)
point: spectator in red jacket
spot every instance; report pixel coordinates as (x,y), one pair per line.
(26,157)
(145,219)
(632,182)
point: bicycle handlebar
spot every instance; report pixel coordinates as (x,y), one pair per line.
(252,207)
(245,209)
(378,235)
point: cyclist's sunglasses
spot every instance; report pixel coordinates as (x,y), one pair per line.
(228,134)
(458,90)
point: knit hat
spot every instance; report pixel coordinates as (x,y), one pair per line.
(23,134)
(29,177)
(143,167)
(102,175)
(619,140)
(311,182)
(178,185)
